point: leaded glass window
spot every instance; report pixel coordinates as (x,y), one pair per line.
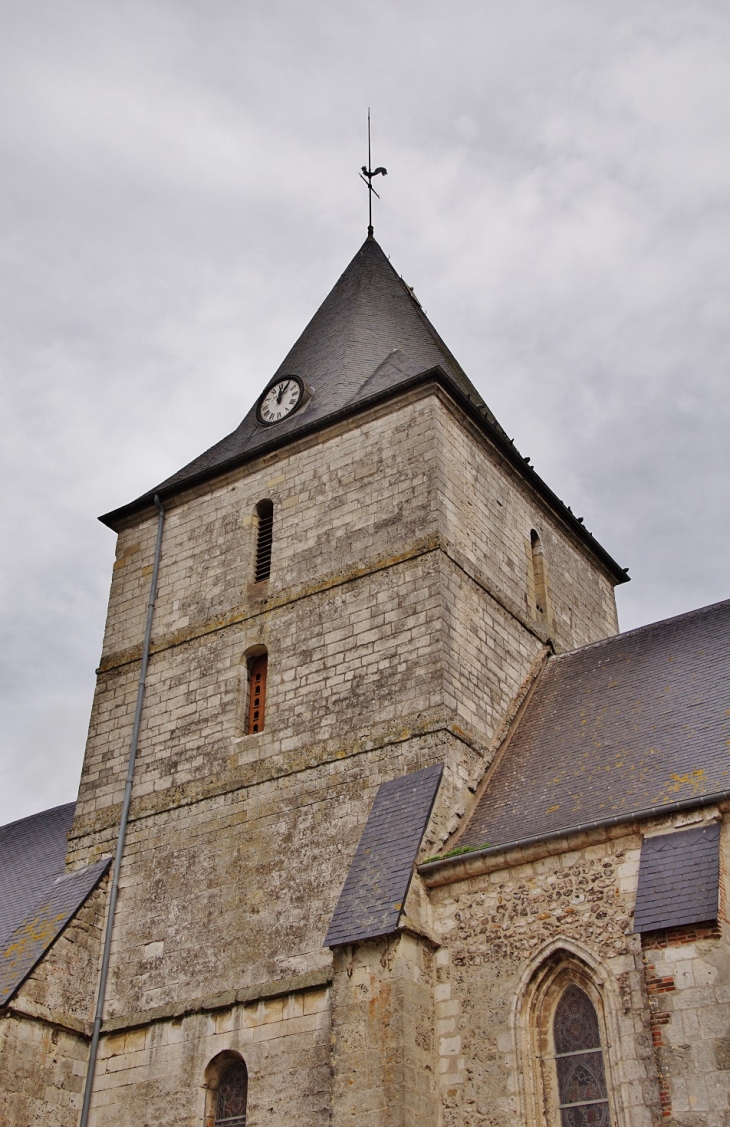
(230,1106)
(582,1092)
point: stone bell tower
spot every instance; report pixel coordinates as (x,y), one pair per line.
(358,583)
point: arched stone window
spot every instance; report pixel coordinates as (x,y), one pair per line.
(578,1054)
(258,666)
(226,1083)
(539,575)
(230,1103)
(264,540)
(566,1058)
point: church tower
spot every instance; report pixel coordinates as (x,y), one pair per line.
(360,583)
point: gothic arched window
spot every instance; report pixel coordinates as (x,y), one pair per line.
(230,1103)
(257,670)
(264,537)
(581,1076)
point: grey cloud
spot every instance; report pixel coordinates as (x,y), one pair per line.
(179,191)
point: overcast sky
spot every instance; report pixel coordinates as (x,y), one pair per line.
(179,192)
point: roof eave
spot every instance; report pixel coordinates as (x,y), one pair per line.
(117,517)
(442,870)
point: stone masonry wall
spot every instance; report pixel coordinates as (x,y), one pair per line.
(238,889)
(386,654)
(495,927)
(44,1039)
(383,1034)
(42,1070)
(154,1074)
(487,514)
(687,972)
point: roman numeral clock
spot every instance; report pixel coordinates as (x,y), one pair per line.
(282,399)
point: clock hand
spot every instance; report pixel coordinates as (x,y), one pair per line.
(282,389)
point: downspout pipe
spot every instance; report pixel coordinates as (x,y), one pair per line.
(114,892)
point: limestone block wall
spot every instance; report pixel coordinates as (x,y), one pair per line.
(44,1031)
(343,664)
(487,654)
(383,1034)
(237,889)
(157,1073)
(42,1071)
(688,984)
(359,493)
(486,516)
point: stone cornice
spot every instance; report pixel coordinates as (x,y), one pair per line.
(265,991)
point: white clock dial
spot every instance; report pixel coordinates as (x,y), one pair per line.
(280,400)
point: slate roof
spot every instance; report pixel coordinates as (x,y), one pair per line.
(369,316)
(637,721)
(369,339)
(37,896)
(679,879)
(375,890)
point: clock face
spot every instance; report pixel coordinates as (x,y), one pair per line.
(280,400)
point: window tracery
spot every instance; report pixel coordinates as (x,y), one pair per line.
(581,1075)
(231,1097)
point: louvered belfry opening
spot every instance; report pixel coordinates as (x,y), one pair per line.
(257,693)
(265,514)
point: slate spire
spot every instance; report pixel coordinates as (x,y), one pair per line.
(368,336)
(368,340)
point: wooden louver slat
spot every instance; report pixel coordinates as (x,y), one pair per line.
(264,538)
(257,693)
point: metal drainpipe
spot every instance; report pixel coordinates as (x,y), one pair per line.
(93,1051)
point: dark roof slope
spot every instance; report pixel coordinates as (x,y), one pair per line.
(32,851)
(369,340)
(376,886)
(679,879)
(369,315)
(37,896)
(619,727)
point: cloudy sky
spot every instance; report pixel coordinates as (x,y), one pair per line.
(179,191)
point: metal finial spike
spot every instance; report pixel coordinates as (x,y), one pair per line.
(367,174)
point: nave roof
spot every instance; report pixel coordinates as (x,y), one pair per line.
(626,726)
(37,896)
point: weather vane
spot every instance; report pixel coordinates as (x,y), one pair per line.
(367,174)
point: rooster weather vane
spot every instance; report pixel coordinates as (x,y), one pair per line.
(367,175)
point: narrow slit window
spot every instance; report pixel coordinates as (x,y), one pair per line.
(582,1091)
(538,572)
(264,535)
(232,1095)
(257,693)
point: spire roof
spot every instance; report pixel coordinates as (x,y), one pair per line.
(368,340)
(369,335)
